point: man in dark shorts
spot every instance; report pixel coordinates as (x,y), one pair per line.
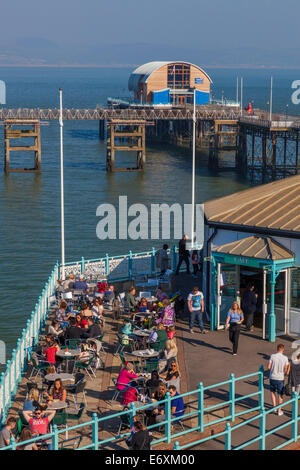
(278,367)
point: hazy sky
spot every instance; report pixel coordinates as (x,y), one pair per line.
(241,23)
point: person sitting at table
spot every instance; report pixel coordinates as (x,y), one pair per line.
(143,305)
(51,351)
(54,329)
(26,435)
(177,404)
(167,315)
(126,376)
(93,330)
(130,298)
(153,383)
(159,412)
(57,392)
(81,284)
(68,283)
(160,295)
(141,439)
(172,373)
(169,353)
(39,420)
(86,311)
(102,286)
(63,314)
(32,400)
(161,336)
(73,332)
(7,431)
(97,310)
(81,322)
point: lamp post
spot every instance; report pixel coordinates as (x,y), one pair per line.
(62,214)
(193,171)
(271,99)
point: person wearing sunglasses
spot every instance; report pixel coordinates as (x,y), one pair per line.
(38,420)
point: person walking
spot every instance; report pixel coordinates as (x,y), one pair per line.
(183,255)
(195,303)
(279,367)
(162,259)
(249,301)
(295,371)
(234,320)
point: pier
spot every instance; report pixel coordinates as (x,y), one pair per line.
(258,145)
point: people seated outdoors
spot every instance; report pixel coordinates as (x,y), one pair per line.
(68,284)
(86,311)
(54,329)
(177,404)
(57,392)
(39,420)
(32,400)
(80,321)
(160,295)
(81,284)
(97,310)
(93,330)
(171,332)
(6,432)
(130,298)
(73,331)
(51,351)
(141,439)
(144,305)
(172,373)
(168,355)
(167,315)
(159,334)
(126,376)
(63,314)
(153,383)
(158,413)
(26,435)
(102,286)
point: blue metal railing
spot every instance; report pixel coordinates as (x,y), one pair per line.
(169,433)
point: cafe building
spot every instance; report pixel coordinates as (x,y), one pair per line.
(253,236)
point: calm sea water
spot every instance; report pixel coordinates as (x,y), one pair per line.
(29,204)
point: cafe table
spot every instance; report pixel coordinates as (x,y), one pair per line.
(66,355)
(63,377)
(58,405)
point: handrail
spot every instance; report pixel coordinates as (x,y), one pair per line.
(168,421)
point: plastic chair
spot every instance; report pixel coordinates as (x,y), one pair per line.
(72,343)
(87,367)
(39,365)
(60,419)
(116,390)
(151,364)
(76,416)
(124,421)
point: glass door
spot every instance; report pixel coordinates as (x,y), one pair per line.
(280,307)
(226,293)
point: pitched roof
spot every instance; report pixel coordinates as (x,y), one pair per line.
(256,247)
(272,206)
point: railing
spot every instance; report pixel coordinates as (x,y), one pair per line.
(263,434)
(17,364)
(122,267)
(169,432)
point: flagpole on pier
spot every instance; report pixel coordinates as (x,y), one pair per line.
(193,172)
(62,213)
(271,99)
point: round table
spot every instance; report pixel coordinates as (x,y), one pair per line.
(71,353)
(62,377)
(142,333)
(58,405)
(142,354)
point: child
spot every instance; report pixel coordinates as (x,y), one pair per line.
(171,332)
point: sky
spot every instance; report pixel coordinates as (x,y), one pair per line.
(213,25)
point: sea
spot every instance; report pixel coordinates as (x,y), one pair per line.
(30,203)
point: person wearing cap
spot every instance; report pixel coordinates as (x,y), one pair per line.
(81,284)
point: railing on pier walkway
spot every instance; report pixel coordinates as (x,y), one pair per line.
(15,367)
(121,267)
(196,403)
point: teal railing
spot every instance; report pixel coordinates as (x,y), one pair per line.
(16,366)
(199,412)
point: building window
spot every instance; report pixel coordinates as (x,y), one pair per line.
(179,76)
(295,288)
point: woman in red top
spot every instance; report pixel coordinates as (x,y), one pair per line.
(81,322)
(126,376)
(51,351)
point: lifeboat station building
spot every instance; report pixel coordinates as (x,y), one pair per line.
(254,236)
(165,83)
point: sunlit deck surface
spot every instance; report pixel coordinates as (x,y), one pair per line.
(206,358)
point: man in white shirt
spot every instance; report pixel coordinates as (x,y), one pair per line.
(196,308)
(278,367)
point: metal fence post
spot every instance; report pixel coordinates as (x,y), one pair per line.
(262,429)
(232,397)
(106,264)
(153,260)
(2,385)
(14,364)
(261,400)
(176,446)
(95,432)
(132,413)
(168,417)
(130,264)
(13,443)
(295,417)
(82,265)
(200,407)
(228,437)
(174,258)
(55,437)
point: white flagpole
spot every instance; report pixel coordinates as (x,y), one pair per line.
(242,95)
(237,89)
(193,171)
(62,187)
